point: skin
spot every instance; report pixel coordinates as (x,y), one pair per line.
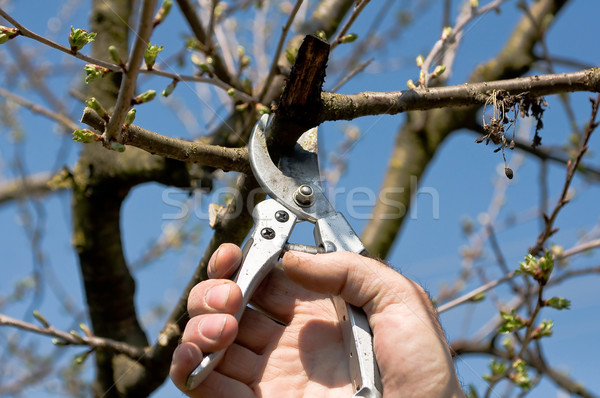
(301,356)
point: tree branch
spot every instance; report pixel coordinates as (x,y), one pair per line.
(462,347)
(34,185)
(113,128)
(346,107)
(189,13)
(76,340)
(228,159)
(40,110)
(572,167)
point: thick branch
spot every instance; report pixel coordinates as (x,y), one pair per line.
(228,159)
(338,106)
(34,185)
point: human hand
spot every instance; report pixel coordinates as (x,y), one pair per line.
(302,354)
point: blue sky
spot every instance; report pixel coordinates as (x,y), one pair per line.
(461,180)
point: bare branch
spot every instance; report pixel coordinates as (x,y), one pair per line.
(347,107)
(78,339)
(33,185)
(360,6)
(572,167)
(35,108)
(284,31)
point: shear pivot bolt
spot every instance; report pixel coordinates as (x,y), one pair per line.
(281,216)
(304,196)
(267,233)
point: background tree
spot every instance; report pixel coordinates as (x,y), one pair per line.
(218,66)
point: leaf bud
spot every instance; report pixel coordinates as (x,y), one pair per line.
(97,107)
(349,38)
(144,97)
(150,55)
(85,136)
(78,38)
(130,117)
(169,89)
(420,60)
(162,13)
(446,32)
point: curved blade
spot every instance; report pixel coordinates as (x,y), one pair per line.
(299,167)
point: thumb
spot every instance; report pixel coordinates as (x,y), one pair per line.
(360,281)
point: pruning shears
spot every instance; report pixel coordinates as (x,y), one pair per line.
(297,195)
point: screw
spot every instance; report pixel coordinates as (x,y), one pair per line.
(267,233)
(304,196)
(282,216)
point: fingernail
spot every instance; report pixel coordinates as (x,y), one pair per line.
(217,296)
(184,353)
(211,270)
(212,327)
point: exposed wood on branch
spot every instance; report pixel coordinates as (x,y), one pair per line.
(300,102)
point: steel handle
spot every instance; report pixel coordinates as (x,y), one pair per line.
(273,226)
(334,233)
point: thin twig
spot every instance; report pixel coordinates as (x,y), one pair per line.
(40,110)
(284,31)
(219,82)
(438,47)
(71,339)
(355,13)
(352,73)
(571,169)
(128,83)
(469,296)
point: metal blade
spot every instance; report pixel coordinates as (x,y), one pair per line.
(298,168)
